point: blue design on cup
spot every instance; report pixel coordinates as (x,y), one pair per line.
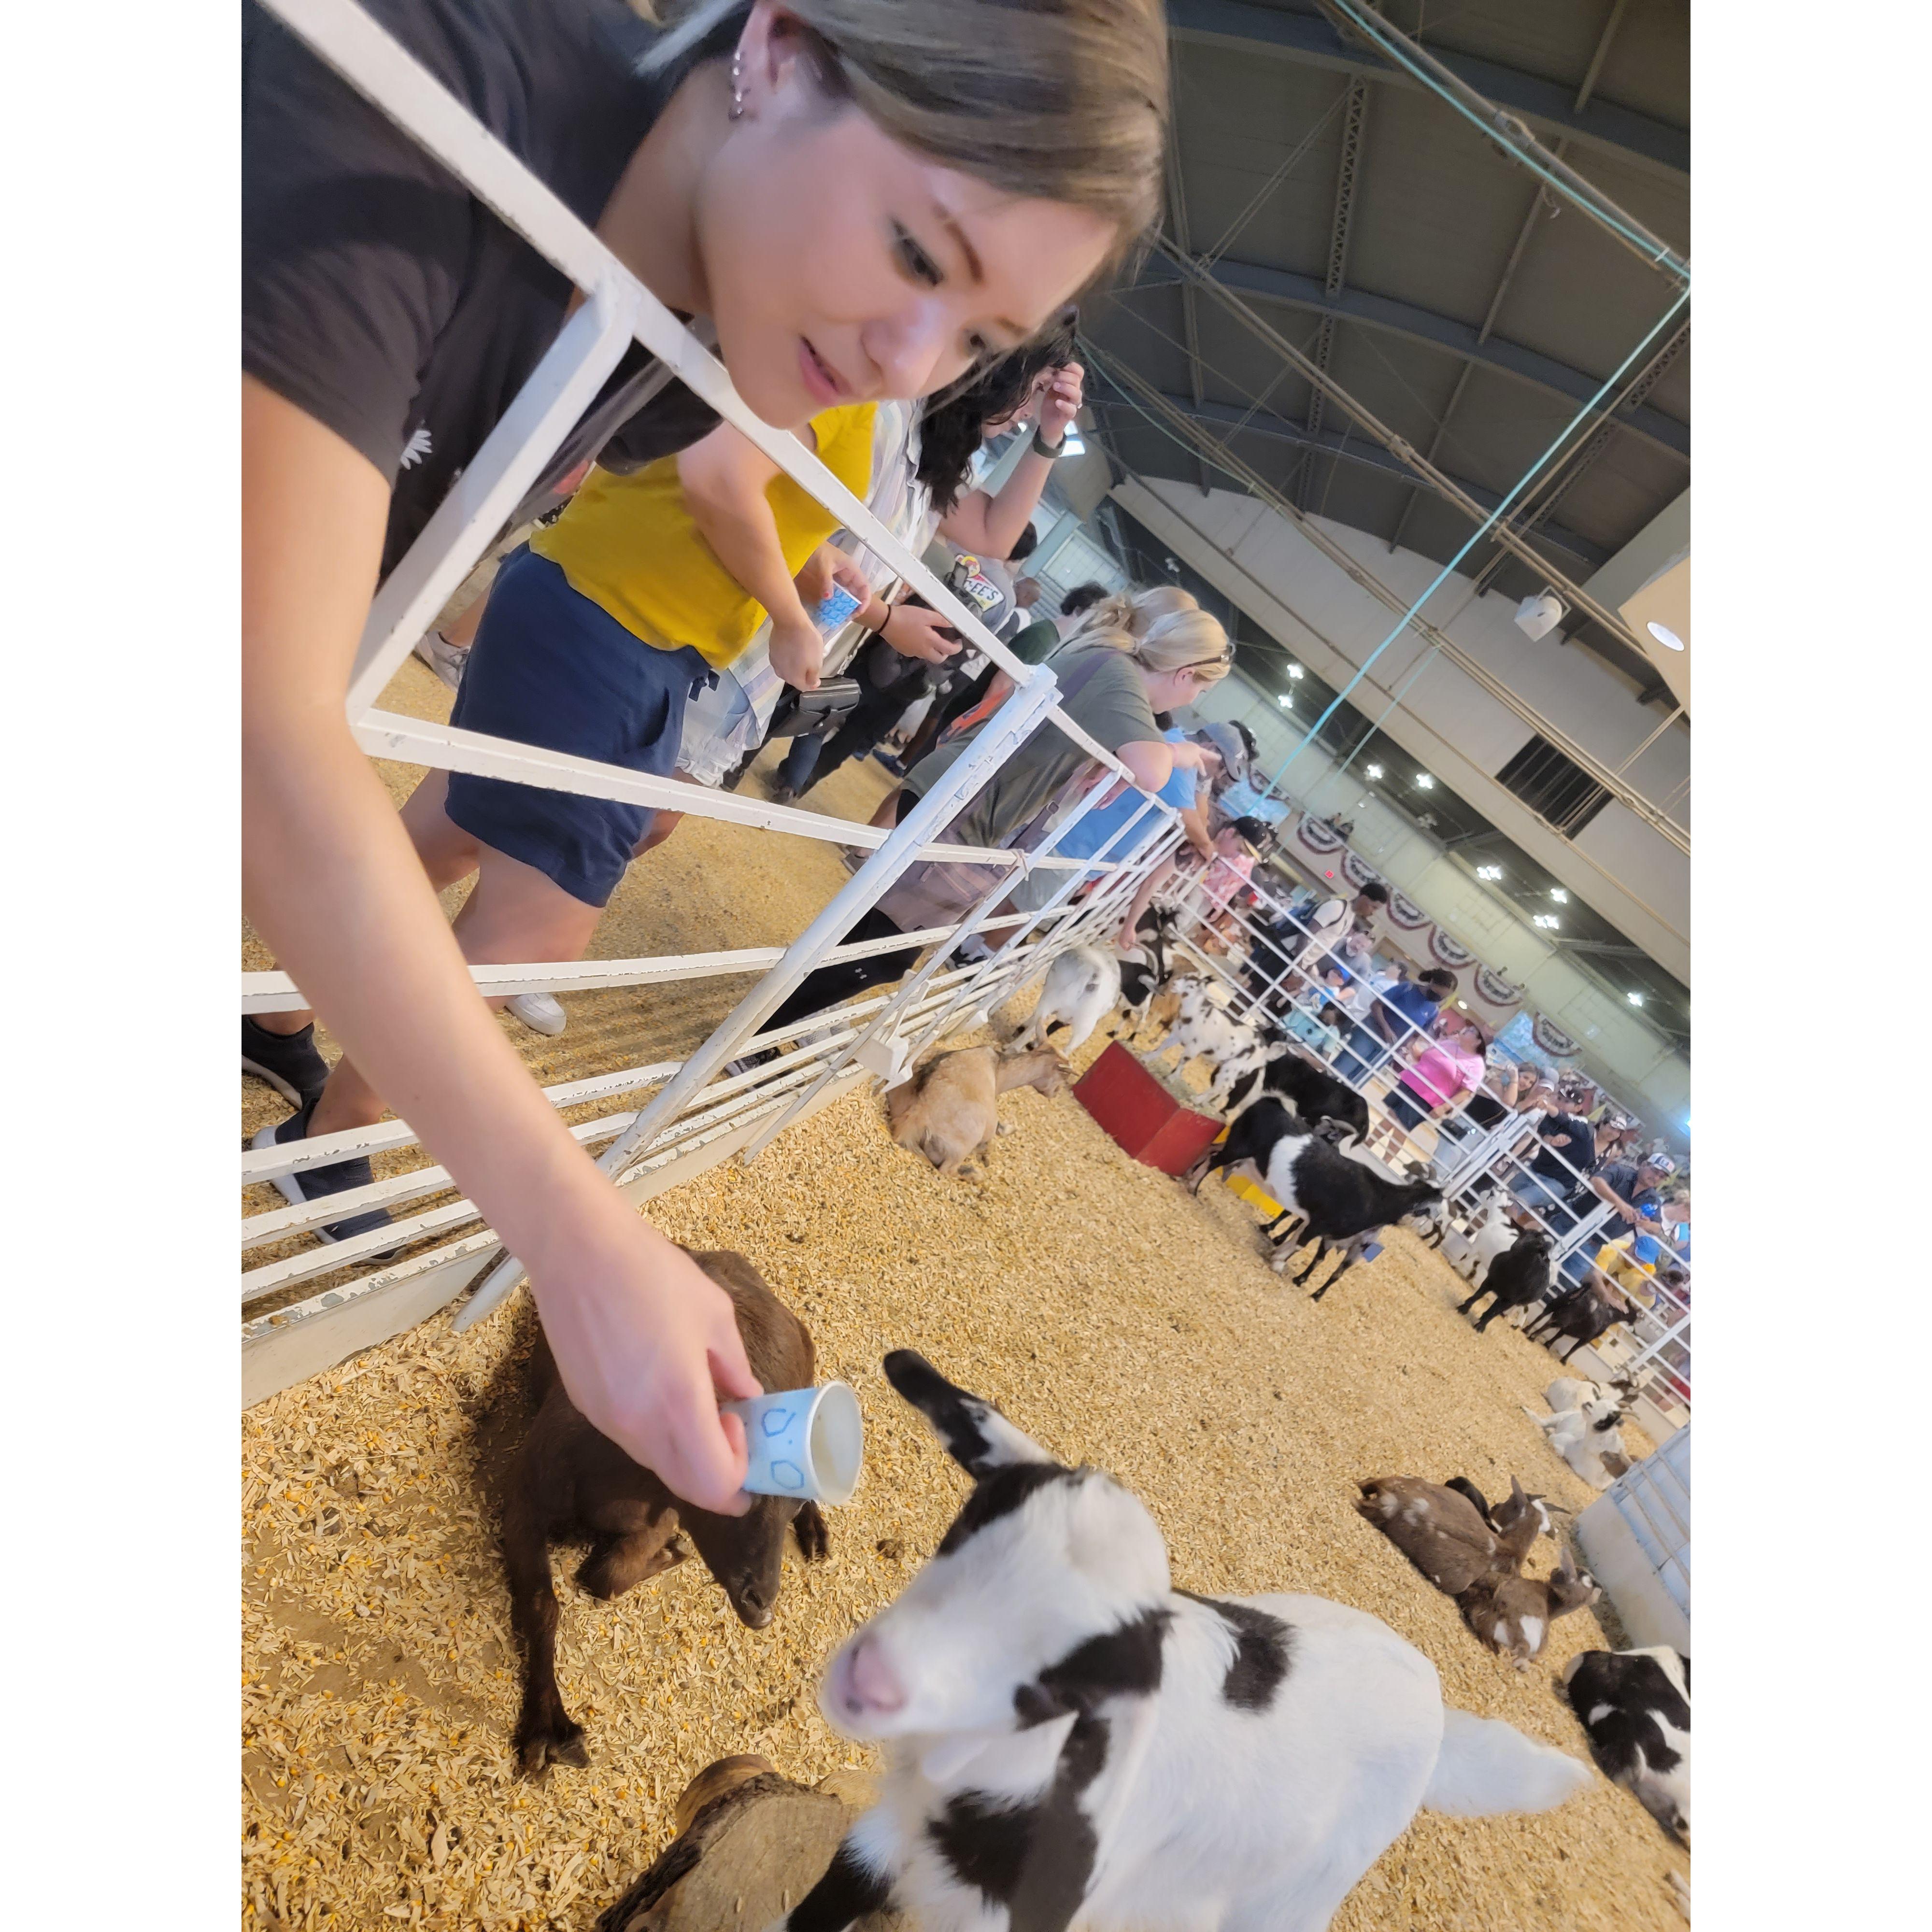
(789,1474)
(777,1421)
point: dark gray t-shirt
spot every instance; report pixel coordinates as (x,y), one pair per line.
(379,296)
(1111,703)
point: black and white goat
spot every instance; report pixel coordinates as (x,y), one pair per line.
(1142,978)
(1205,1029)
(1589,1438)
(1069,1740)
(1312,1091)
(1635,1708)
(1341,1201)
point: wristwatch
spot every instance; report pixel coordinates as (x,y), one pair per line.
(1051,450)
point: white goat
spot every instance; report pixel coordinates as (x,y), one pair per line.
(1083,986)
(1069,1740)
(1569,1392)
(1587,1438)
(1204,1029)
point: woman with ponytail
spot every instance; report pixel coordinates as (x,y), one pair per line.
(860,199)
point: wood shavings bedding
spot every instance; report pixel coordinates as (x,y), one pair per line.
(1120,1322)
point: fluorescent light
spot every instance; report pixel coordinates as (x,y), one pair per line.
(1286,702)
(1635,999)
(1295,671)
(1374,771)
(1424,782)
(1665,636)
(1488,871)
(1559,895)
(1544,919)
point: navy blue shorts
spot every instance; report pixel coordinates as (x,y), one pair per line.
(551,668)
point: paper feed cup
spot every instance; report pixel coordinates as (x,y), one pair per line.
(807,1443)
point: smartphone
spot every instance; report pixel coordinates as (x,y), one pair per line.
(835,611)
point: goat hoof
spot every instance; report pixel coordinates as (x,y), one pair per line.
(814,1540)
(560,1741)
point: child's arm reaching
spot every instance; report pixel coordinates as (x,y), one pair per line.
(724,477)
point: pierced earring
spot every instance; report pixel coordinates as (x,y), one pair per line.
(737,87)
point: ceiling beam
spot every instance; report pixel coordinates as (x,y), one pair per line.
(1348,173)
(1537,202)
(1226,418)
(1190,313)
(1549,106)
(1416,324)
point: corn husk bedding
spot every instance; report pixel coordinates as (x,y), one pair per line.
(1120,1321)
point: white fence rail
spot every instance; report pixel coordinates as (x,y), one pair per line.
(693,1118)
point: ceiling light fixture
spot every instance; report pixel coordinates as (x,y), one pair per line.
(1537,617)
(1488,871)
(1373,771)
(1665,636)
(1424,782)
(1295,671)
(1559,895)
(1635,999)
(1285,701)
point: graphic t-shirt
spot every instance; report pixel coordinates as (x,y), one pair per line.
(381,297)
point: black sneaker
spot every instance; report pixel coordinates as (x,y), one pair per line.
(313,1183)
(287,1061)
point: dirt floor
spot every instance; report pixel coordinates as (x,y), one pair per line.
(1120,1322)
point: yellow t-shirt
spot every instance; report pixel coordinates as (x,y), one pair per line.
(628,544)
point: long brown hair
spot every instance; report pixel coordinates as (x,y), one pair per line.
(1061,101)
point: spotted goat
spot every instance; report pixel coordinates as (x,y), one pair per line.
(1070,1739)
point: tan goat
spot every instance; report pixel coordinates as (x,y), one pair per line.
(947,1110)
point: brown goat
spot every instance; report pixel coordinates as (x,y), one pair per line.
(568,1476)
(947,1110)
(1513,1614)
(1442,1533)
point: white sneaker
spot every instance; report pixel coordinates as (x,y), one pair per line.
(445,658)
(539,1013)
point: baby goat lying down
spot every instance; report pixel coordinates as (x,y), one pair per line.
(1070,1740)
(1635,1707)
(948,1111)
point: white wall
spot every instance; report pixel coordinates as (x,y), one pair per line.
(1617,1047)
(1631,875)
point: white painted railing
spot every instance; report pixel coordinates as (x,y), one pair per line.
(693,1117)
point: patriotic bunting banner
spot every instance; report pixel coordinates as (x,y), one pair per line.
(1406,913)
(1494,990)
(1449,952)
(1553,1040)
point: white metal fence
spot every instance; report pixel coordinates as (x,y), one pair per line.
(1465,1154)
(678,1116)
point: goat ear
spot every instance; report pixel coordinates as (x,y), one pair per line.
(976,1435)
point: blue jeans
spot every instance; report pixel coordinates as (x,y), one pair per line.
(795,767)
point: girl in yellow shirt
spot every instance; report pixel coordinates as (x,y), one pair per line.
(594,637)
